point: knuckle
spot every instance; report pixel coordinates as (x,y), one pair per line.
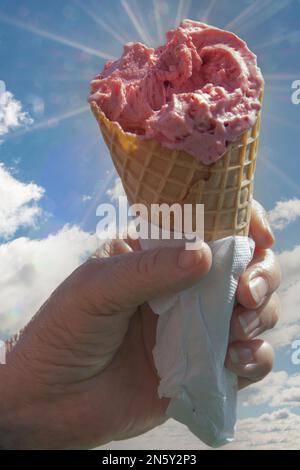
(243,335)
(268,274)
(265,260)
(238,330)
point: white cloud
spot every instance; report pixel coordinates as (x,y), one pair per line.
(18,203)
(277,390)
(31,269)
(288,327)
(86,198)
(11,114)
(277,430)
(116,191)
(273,431)
(284,213)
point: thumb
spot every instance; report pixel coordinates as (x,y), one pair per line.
(125,281)
(87,317)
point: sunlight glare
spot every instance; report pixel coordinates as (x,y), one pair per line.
(281,174)
(182,13)
(53,121)
(54,37)
(159,29)
(136,23)
(245,14)
(209,10)
(91,210)
(272,42)
(121,39)
(264,13)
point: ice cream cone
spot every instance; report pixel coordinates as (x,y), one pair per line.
(151,174)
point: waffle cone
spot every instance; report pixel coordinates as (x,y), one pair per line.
(151,173)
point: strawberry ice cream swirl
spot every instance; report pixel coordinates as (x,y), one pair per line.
(197,93)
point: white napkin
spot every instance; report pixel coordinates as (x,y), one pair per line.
(192,340)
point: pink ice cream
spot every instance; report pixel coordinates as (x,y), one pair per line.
(197,93)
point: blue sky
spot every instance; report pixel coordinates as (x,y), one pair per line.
(49,51)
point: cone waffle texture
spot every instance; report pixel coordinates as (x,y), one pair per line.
(151,173)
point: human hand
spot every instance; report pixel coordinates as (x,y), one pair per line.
(82,373)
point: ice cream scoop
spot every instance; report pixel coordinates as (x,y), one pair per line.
(197,93)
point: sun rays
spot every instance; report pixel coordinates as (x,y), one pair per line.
(209,10)
(98,197)
(257,13)
(158,24)
(287,37)
(54,37)
(276,170)
(265,13)
(91,13)
(52,121)
(183,10)
(246,13)
(138,21)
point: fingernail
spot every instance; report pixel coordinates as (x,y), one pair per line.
(241,355)
(249,321)
(189,258)
(259,289)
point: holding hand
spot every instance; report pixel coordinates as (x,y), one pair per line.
(82,372)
